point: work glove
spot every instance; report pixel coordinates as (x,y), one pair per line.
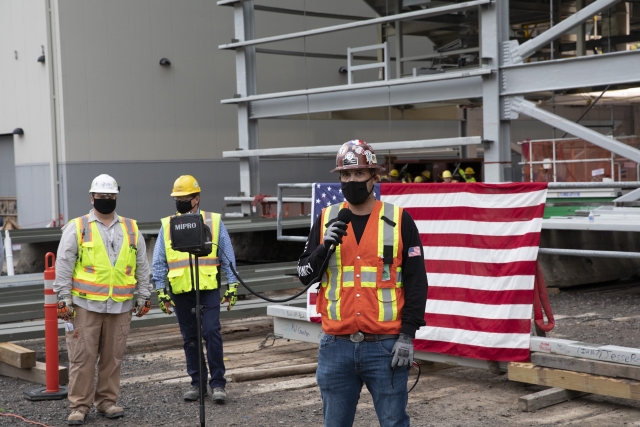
(334,234)
(164,301)
(65,308)
(142,307)
(230,296)
(402,352)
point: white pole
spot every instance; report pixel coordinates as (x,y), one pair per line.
(8,250)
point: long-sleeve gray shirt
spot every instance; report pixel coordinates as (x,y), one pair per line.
(112,237)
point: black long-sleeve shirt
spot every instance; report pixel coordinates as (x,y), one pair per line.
(414,276)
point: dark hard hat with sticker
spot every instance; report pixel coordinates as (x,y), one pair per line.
(356,154)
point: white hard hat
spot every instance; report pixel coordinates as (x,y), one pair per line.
(104,184)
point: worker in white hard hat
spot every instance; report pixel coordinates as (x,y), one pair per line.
(101,262)
(176,291)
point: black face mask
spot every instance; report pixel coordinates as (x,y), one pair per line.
(183,207)
(355,192)
(104,206)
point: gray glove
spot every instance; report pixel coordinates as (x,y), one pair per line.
(334,233)
(402,351)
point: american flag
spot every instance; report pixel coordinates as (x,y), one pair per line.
(481,245)
(327,194)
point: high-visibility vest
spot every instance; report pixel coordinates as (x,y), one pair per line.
(179,273)
(94,277)
(361,289)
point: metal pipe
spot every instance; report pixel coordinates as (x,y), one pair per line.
(8,253)
(569,161)
(560,185)
(587,253)
(553,143)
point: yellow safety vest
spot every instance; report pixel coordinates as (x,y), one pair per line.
(94,277)
(179,273)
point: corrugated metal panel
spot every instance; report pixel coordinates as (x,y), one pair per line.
(7,166)
(33,184)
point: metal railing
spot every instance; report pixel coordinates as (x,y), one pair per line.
(279,216)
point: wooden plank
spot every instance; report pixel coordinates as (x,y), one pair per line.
(17,356)
(284,371)
(37,374)
(544,398)
(588,366)
(579,381)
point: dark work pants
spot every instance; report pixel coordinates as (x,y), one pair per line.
(184,303)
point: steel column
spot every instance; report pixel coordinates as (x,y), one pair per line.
(519,105)
(494,30)
(246,86)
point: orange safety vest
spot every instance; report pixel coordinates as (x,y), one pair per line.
(362,287)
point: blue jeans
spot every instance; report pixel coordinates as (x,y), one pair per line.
(184,303)
(343,366)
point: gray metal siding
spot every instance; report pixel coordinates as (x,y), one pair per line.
(34,195)
(7,166)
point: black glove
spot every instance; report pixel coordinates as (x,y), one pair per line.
(334,233)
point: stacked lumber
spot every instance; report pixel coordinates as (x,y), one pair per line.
(20,362)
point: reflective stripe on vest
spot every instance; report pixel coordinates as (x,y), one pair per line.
(178,262)
(333,281)
(94,277)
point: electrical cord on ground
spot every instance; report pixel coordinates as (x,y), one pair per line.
(24,419)
(306,288)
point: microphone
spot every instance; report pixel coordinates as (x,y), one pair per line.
(345,216)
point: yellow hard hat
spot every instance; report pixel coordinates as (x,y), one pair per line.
(418,179)
(469,171)
(426,174)
(185,185)
(394,173)
(446,174)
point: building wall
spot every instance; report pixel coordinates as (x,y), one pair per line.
(7,166)
(25,91)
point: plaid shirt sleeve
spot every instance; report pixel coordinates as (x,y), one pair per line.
(225,247)
(159,263)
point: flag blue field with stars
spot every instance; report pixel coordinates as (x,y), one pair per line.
(327,194)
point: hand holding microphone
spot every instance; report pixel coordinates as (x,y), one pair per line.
(337,229)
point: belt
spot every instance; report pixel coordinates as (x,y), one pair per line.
(361,336)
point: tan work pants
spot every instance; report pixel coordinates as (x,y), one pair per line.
(96,335)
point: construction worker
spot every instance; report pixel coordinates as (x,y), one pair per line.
(171,275)
(394,175)
(447,177)
(372,295)
(102,259)
(426,175)
(418,178)
(468,174)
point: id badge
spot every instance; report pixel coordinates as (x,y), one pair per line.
(386,275)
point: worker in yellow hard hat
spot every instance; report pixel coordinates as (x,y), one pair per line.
(394,175)
(447,177)
(176,291)
(418,178)
(426,175)
(468,174)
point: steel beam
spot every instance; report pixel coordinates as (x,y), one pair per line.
(377,146)
(436,11)
(494,30)
(573,73)
(519,105)
(533,45)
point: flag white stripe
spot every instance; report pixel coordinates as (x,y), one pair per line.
(505,283)
(480,339)
(482,311)
(516,228)
(450,200)
(526,253)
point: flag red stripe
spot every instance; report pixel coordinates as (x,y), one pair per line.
(476,214)
(313,296)
(480,242)
(387,189)
(518,268)
(475,352)
(505,326)
(480,296)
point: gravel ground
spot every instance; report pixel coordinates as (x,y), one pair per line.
(454,396)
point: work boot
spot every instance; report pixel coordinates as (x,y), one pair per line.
(112,411)
(76,418)
(219,395)
(194,393)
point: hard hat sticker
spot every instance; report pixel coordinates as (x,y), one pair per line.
(370,156)
(350,160)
